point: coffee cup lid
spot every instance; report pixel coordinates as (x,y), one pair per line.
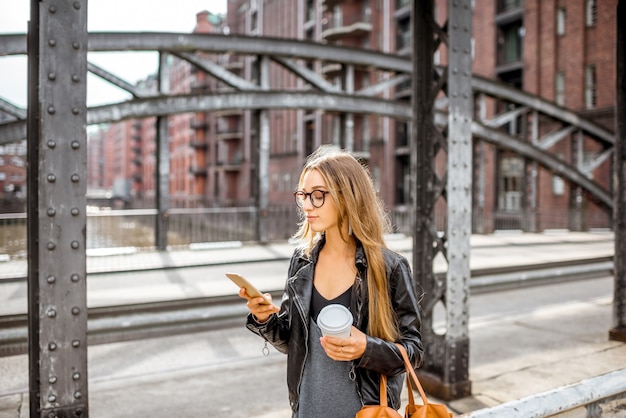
(334,317)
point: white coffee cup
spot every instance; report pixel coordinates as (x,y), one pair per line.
(335,321)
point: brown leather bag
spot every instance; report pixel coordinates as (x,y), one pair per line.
(427,410)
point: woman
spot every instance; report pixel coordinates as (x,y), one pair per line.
(343,260)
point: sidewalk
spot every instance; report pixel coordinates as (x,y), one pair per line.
(530,249)
(523,341)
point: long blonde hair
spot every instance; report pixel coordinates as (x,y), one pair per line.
(352,190)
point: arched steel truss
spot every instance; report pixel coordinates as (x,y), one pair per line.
(291,54)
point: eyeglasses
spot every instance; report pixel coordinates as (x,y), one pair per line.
(317,198)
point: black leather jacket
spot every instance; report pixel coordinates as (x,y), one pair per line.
(288,331)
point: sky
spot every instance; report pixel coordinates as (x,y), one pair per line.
(103,16)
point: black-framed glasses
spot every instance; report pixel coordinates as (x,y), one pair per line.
(317,198)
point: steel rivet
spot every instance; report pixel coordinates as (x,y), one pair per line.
(51,279)
(75,211)
(52,42)
(52,9)
(52,346)
(75,277)
(51,110)
(51,144)
(75,245)
(75,178)
(51,178)
(76,376)
(75,144)
(75,78)
(78,395)
(51,313)
(52,76)
(52,379)
(76,5)
(75,111)
(51,212)
(75,310)
(75,45)
(75,343)
(52,398)
(51,246)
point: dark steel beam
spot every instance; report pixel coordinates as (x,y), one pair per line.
(116,81)
(162,174)
(57,185)
(165,105)
(455,381)
(505,92)
(423,180)
(11,109)
(618,331)
(545,159)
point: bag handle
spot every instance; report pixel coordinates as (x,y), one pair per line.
(411,376)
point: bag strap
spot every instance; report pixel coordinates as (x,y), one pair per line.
(383,389)
(411,376)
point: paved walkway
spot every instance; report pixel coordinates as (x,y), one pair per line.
(520,249)
(541,347)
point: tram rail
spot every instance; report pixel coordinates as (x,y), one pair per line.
(129,322)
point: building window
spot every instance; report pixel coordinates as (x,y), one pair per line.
(505,5)
(590,86)
(510,40)
(559,88)
(511,180)
(403,34)
(558,185)
(590,13)
(560,21)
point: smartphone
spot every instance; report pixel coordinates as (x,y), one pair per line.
(252,291)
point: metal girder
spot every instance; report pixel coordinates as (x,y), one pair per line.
(618,330)
(162,169)
(505,92)
(217,71)
(552,138)
(384,85)
(307,75)
(248,45)
(545,159)
(116,81)
(506,117)
(165,105)
(57,185)
(595,161)
(11,109)
(446,367)
(12,45)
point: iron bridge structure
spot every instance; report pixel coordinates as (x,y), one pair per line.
(441,113)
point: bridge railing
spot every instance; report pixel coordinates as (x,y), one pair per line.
(135,227)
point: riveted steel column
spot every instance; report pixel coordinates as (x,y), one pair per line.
(57,162)
(163,163)
(264,155)
(455,376)
(422,162)
(618,332)
(445,372)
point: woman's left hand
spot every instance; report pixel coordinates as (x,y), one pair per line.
(345,349)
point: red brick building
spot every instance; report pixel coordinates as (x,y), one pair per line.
(561,50)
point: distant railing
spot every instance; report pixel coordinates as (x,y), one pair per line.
(135,227)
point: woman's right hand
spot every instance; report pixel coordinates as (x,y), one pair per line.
(257,306)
